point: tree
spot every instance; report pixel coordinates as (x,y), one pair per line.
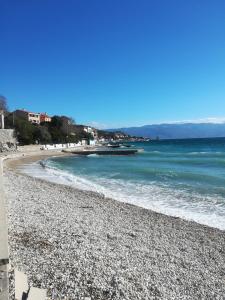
(3,103)
(61,129)
(72,121)
(44,135)
(56,122)
(25,131)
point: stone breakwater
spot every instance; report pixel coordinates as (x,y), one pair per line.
(79,244)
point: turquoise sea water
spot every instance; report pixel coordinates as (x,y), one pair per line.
(184,178)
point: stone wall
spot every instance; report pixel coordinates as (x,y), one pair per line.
(29,148)
(7,140)
(4,254)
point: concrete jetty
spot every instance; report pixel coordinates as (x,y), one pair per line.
(104,151)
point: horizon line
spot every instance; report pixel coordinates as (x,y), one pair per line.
(211,120)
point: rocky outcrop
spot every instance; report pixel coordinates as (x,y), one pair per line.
(7,140)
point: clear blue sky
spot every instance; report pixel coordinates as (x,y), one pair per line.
(115,62)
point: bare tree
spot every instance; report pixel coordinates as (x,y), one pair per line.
(72,121)
(3,103)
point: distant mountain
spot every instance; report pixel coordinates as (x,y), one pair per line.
(176,130)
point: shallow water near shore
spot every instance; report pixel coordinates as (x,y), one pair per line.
(184,178)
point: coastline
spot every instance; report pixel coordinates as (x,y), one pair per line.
(12,161)
(80,244)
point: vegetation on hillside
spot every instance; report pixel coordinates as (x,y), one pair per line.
(61,129)
(45,133)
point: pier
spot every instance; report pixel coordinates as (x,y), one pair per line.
(104,151)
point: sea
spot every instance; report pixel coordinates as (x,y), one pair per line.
(183,178)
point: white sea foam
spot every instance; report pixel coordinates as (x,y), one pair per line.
(205,153)
(206,210)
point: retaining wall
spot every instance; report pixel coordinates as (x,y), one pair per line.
(7,140)
(4,255)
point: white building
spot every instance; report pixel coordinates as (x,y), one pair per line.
(29,116)
(92,131)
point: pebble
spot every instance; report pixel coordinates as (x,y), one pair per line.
(80,245)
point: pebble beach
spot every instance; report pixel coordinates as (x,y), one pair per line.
(79,244)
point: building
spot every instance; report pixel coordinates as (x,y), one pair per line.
(92,131)
(29,116)
(45,118)
(2,119)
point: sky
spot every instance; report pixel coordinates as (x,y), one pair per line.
(114,63)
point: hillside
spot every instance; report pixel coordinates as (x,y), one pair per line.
(177,131)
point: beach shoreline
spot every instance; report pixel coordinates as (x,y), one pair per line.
(80,244)
(12,161)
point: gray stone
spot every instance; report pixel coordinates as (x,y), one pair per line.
(21,285)
(7,140)
(36,294)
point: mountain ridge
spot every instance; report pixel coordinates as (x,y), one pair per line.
(176,130)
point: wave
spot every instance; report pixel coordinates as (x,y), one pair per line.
(210,153)
(195,158)
(93,155)
(208,210)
